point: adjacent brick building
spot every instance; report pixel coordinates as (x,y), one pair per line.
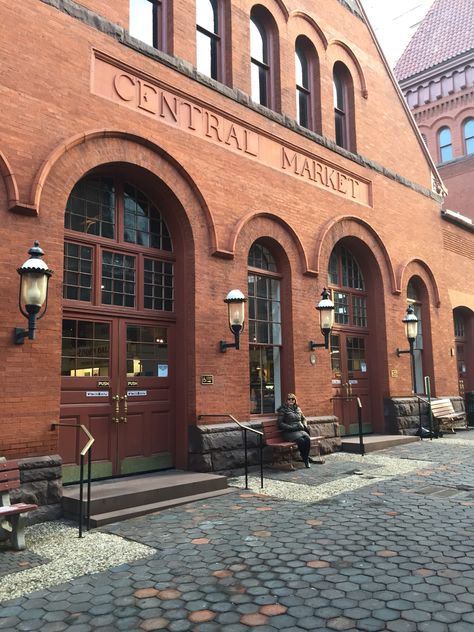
(436,74)
(164,154)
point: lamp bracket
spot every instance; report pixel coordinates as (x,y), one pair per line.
(400,351)
(223,345)
(19,335)
(315,345)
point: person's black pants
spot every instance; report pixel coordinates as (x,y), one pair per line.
(304,446)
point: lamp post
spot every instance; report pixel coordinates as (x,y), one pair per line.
(325,308)
(33,294)
(411,329)
(236,312)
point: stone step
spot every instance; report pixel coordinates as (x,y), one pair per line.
(120,494)
(98,520)
(372,443)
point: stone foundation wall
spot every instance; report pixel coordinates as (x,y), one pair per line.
(220,447)
(402,413)
(41,483)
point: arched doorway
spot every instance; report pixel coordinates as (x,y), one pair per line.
(463,332)
(349,340)
(119,315)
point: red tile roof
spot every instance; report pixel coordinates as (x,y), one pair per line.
(446,31)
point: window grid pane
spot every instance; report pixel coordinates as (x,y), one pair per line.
(91,208)
(359,311)
(85,348)
(77,279)
(118,279)
(143,223)
(341,308)
(159,285)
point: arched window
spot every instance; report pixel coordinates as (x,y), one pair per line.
(208,38)
(103,218)
(264,318)
(343,93)
(260,62)
(306,70)
(468,129)
(148,22)
(445,144)
(351,302)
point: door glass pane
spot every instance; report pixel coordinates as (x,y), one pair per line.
(85,348)
(118,279)
(355,354)
(335,353)
(265,387)
(147,351)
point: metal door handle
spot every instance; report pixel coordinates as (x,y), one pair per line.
(125,409)
(115,418)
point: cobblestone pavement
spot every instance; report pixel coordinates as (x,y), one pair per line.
(395,553)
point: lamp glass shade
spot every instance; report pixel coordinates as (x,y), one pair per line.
(236,314)
(325,308)
(34,287)
(411,327)
(411,323)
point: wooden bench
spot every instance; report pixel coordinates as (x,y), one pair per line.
(446,416)
(274,439)
(12,516)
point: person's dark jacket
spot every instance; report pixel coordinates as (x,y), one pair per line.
(292,422)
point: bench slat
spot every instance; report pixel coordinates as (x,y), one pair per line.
(10,510)
(7,485)
(8,465)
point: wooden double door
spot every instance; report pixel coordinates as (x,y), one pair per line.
(117,381)
(351,380)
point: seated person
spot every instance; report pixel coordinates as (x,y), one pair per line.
(293,426)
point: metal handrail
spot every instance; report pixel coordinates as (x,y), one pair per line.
(359,418)
(430,415)
(244,428)
(85,450)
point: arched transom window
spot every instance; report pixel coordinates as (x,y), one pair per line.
(118,250)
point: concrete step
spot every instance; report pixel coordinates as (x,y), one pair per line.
(373,443)
(98,520)
(146,490)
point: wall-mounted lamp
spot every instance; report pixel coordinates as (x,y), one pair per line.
(236,309)
(34,279)
(411,329)
(325,308)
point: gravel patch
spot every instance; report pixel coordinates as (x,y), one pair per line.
(69,556)
(382,468)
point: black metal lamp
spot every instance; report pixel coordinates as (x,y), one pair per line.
(325,308)
(236,310)
(33,295)
(411,329)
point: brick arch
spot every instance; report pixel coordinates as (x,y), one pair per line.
(295,15)
(350,56)
(417,267)
(288,230)
(353,227)
(75,157)
(9,179)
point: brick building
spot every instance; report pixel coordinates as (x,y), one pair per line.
(436,75)
(165,153)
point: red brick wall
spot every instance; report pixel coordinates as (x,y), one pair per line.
(224,195)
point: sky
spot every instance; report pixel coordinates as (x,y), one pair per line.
(395,22)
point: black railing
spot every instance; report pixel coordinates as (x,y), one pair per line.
(85,450)
(430,416)
(359,417)
(244,429)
